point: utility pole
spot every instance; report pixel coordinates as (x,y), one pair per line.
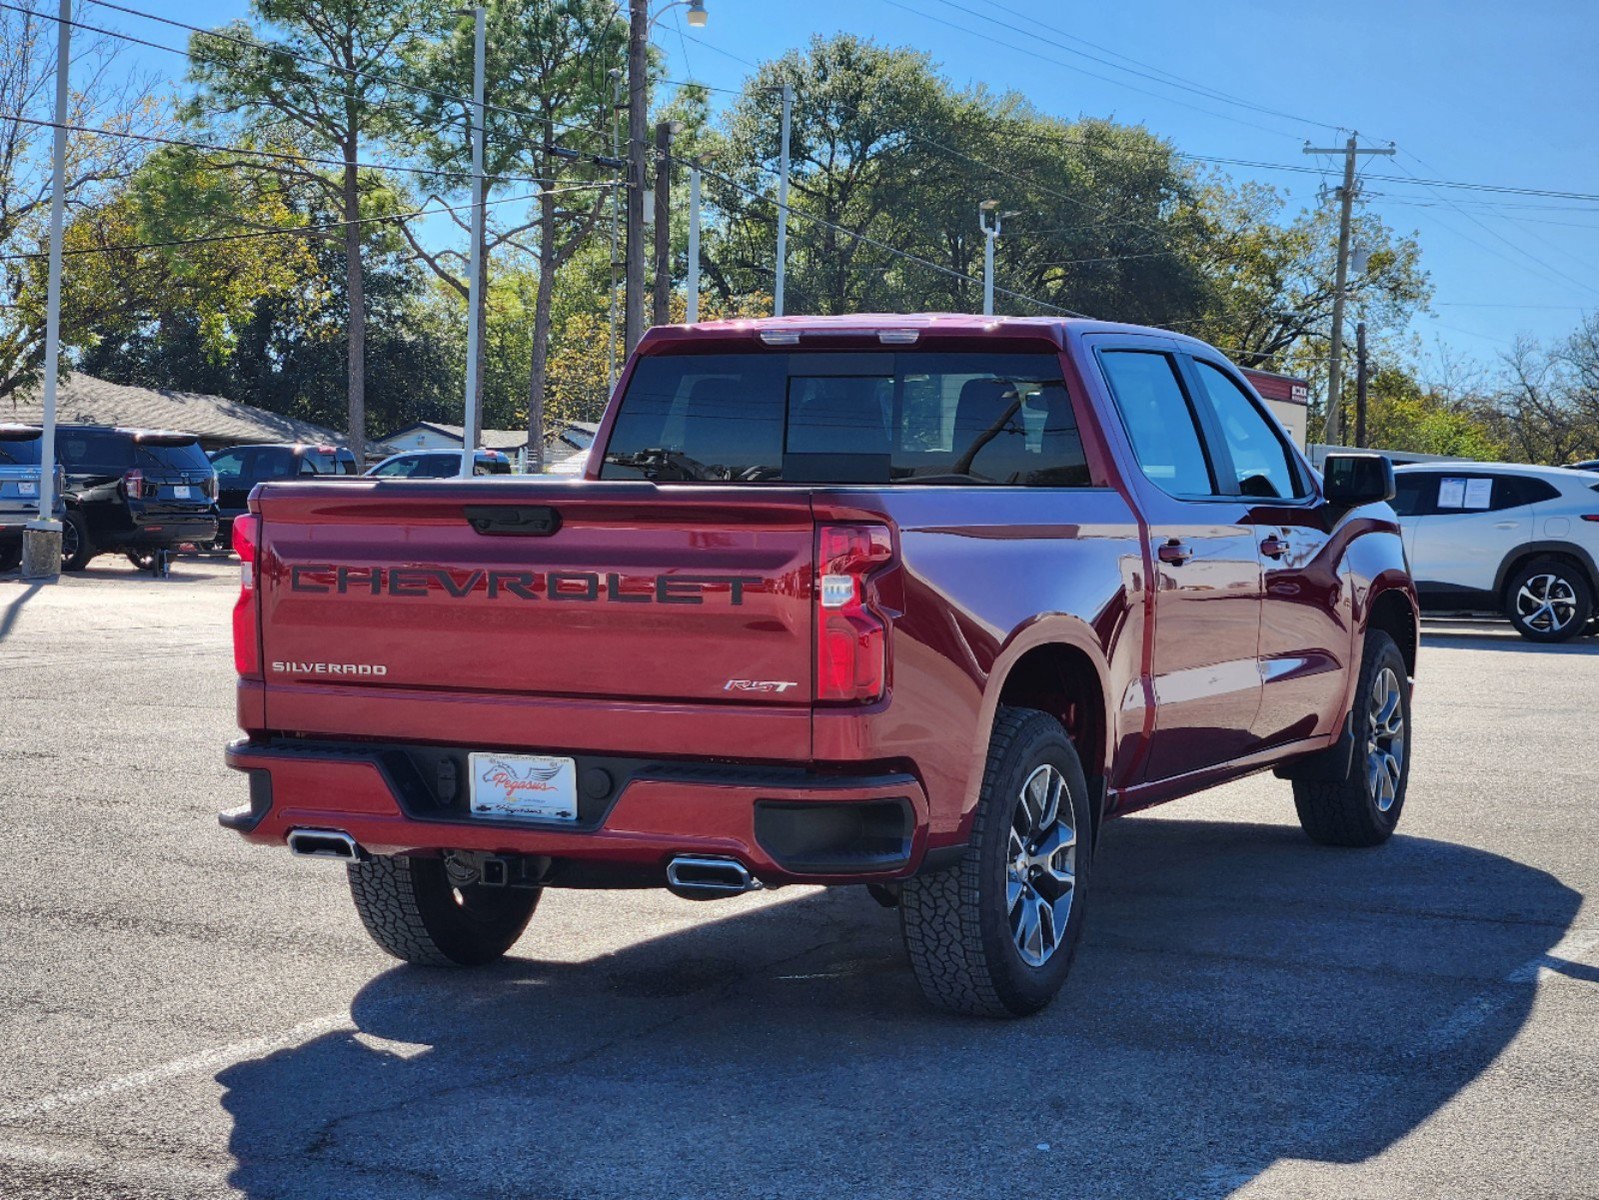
(617,104)
(41,538)
(782,201)
(474,315)
(1351,150)
(692,282)
(662,307)
(638,43)
(1361,377)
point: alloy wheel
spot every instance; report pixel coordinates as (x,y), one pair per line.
(69,541)
(1041,874)
(1385,739)
(1546,603)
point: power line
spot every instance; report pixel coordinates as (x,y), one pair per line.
(352,72)
(1152,73)
(280,155)
(289,230)
(1034,54)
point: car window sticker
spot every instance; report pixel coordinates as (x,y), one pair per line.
(1452,493)
(1479,493)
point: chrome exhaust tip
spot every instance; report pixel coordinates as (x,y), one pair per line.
(324,843)
(697,877)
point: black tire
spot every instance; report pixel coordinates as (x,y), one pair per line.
(76,547)
(1549,600)
(1363,808)
(961,925)
(10,557)
(411,910)
(144,560)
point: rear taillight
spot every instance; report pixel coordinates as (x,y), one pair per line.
(246,658)
(851,639)
(133,484)
(1590,516)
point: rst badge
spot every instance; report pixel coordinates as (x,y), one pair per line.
(760,687)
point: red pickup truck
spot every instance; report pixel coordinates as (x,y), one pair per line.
(915,602)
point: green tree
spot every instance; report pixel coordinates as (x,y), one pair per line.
(548,94)
(323,84)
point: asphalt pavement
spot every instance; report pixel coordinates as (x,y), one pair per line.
(183,1015)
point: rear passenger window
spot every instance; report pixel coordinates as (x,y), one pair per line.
(91,450)
(1260,457)
(1159,421)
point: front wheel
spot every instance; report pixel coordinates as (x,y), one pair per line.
(413,910)
(1363,807)
(996,934)
(1549,600)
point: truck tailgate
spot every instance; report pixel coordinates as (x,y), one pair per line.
(502,590)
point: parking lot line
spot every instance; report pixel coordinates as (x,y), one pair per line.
(207,1060)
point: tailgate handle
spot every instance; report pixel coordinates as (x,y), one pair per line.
(513,520)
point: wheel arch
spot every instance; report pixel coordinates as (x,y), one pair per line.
(1393,612)
(1528,551)
(1060,672)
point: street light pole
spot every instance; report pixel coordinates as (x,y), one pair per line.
(988,208)
(474,317)
(693,280)
(41,550)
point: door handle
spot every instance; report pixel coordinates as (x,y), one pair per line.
(1274,547)
(1174,552)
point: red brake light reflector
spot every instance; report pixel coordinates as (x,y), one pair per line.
(246,630)
(851,638)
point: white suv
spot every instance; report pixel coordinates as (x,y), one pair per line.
(1504,538)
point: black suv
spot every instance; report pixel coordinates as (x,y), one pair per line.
(137,491)
(240,468)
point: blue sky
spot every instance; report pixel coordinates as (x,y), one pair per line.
(1469,90)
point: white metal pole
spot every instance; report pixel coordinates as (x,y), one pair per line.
(782,201)
(469,431)
(693,281)
(46,523)
(988,272)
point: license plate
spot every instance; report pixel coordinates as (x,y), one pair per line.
(25,488)
(180,491)
(523,785)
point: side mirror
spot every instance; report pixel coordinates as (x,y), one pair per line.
(1350,480)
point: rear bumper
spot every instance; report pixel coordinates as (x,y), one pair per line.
(160,532)
(787,825)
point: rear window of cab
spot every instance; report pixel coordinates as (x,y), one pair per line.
(872,417)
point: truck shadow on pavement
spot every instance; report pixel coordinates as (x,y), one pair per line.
(1241,997)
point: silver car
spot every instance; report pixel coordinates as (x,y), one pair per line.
(1521,541)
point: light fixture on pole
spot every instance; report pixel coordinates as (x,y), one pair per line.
(697,16)
(474,332)
(985,210)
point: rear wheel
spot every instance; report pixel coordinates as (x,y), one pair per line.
(1549,600)
(1363,807)
(76,548)
(996,934)
(413,910)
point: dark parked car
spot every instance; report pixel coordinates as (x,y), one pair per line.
(240,468)
(439,464)
(19,488)
(138,491)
